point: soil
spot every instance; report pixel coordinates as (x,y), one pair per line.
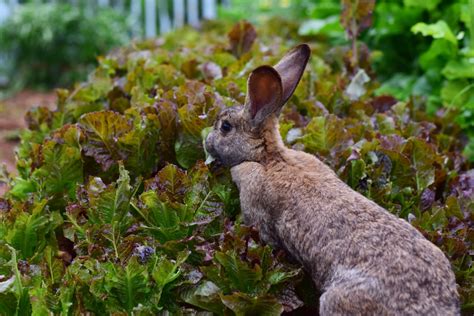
(12,112)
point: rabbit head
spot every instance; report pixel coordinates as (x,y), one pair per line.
(247,133)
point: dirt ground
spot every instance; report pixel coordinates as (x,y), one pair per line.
(12,112)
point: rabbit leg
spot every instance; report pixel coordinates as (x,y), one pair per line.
(350,299)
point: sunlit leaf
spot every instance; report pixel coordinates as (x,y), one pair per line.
(103,130)
(437,30)
(429,4)
(242,304)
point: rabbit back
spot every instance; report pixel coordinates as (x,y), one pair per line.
(346,242)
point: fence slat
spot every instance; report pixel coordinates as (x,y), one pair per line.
(178,13)
(120,5)
(5,12)
(193,12)
(156,14)
(164,17)
(103,3)
(150,18)
(209,10)
(135,18)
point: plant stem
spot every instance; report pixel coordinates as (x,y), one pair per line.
(471,15)
(355,33)
(355,58)
(203,201)
(114,242)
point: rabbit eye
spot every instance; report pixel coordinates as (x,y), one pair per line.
(226,126)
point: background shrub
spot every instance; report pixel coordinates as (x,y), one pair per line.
(56,44)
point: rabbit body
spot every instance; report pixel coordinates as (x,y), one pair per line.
(365,260)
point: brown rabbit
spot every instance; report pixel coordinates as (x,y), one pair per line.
(365,260)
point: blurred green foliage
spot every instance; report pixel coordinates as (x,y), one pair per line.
(58,44)
(418,48)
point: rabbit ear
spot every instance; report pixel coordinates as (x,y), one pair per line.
(264,93)
(291,68)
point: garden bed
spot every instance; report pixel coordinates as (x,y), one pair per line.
(114,210)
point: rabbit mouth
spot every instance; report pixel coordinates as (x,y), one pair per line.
(212,158)
(214,163)
(216,166)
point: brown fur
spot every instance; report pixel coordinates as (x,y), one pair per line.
(365,260)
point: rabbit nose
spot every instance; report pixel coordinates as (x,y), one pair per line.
(209,143)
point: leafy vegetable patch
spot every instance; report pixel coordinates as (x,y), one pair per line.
(114,210)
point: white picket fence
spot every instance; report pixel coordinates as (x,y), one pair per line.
(148,17)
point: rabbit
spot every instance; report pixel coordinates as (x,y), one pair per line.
(363,259)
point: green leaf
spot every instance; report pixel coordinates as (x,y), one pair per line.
(62,167)
(140,145)
(128,286)
(457,93)
(24,304)
(109,204)
(324,134)
(66,296)
(8,304)
(103,129)
(28,233)
(55,266)
(242,277)
(188,151)
(277,277)
(165,271)
(171,183)
(453,208)
(242,304)
(399,85)
(93,91)
(42,303)
(160,213)
(168,117)
(436,30)
(457,69)
(205,296)
(428,4)
(435,220)
(422,156)
(21,188)
(357,172)
(436,57)
(329,26)
(164,220)
(21,296)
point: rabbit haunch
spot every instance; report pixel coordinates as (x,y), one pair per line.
(365,260)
